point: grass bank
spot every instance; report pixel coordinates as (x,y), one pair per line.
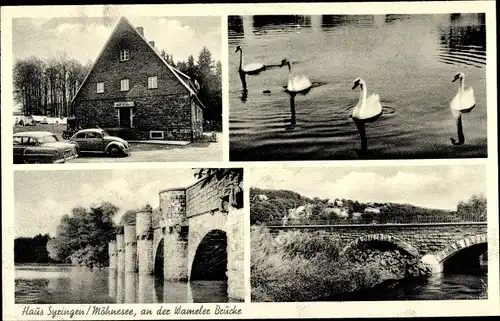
(294,266)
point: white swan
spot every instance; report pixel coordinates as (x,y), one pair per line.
(463,102)
(367,110)
(297,83)
(249,69)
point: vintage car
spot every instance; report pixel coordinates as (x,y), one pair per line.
(41,147)
(97,140)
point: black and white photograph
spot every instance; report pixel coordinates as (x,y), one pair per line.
(337,87)
(156,236)
(116,88)
(249,160)
(369,234)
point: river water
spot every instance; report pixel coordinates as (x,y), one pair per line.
(409,60)
(66,284)
(437,287)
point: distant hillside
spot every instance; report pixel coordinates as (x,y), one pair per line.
(270,206)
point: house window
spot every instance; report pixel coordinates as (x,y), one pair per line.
(124,54)
(152,82)
(100,87)
(124,85)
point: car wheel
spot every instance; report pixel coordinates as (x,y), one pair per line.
(115,151)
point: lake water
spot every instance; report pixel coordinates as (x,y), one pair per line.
(409,60)
(77,285)
(437,287)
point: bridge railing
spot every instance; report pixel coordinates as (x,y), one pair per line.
(381,219)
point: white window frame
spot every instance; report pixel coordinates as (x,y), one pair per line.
(153,82)
(100,87)
(122,85)
(124,54)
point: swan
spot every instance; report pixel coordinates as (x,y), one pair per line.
(249,69)
(297,84)
(462,103)
(366,111)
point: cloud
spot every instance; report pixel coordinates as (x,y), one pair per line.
(82,36)
(436,187)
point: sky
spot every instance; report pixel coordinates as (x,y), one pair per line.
(82,37)
(39,206)
(429,186)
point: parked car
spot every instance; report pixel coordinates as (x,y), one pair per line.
(41,147)
(97,140)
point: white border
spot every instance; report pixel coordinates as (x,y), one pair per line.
(268,310)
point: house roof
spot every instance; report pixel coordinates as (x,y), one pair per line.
(33,134)
(177,73)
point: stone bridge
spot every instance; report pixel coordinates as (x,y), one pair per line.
(196,233)
(436,244)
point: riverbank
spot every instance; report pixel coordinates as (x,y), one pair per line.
(294,266)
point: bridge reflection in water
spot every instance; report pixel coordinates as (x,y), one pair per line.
(140,288)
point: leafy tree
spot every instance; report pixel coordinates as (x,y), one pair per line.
(31,249)
(475,208)
(208,73)
(47,87)
(219,174)
(82,237)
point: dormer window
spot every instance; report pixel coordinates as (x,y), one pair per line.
(124,55)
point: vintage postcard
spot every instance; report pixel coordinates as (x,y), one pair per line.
(249,161)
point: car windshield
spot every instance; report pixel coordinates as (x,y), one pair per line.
(104,133)
(50,139)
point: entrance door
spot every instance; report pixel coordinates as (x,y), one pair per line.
(124,117)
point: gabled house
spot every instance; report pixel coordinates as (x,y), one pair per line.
(132,92)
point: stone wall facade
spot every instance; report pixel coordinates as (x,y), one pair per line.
(202,199)
(168,113)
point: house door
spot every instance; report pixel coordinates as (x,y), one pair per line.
(124,117)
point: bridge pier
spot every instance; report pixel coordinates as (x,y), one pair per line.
(144,241)
(174,229)
(175,254)
(112,255)
(130,249)
(120,247)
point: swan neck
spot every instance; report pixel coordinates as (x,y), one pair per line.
(362,93)
(241,58)
(462,84)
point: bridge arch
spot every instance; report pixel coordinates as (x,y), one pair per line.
(381,238)
(158,258)
(210,258)
(437,259)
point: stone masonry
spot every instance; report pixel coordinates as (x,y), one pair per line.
(432,242)
(171,107)
(185,218)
